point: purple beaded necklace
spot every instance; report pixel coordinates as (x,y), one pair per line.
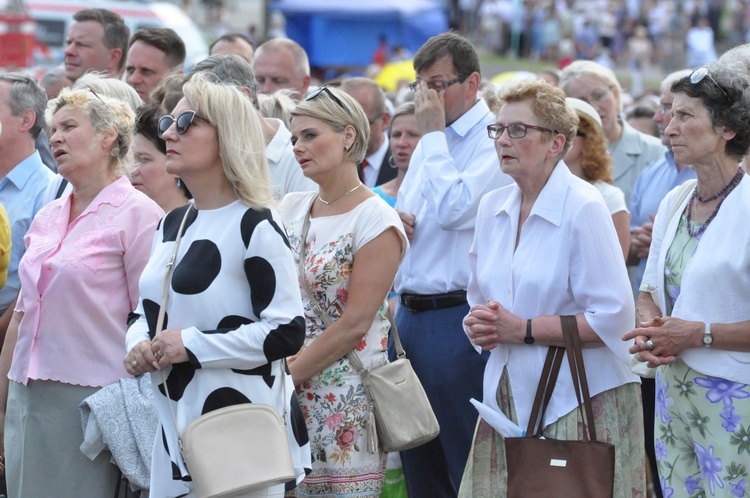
(723,193)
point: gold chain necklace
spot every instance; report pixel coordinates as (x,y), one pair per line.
(328,203)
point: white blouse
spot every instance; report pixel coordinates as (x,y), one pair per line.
(568,261)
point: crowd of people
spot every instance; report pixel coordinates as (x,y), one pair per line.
(297,216)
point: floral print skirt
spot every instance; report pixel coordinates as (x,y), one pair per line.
(336,410)
(701,433)
(618,416)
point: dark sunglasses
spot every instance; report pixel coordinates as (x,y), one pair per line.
(324,89)
(182,123)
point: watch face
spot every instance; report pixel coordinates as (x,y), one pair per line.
(707,339)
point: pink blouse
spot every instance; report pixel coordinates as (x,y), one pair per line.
(79,282)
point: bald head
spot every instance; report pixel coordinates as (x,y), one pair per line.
(282,63)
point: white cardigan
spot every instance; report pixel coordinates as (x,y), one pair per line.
(716,282)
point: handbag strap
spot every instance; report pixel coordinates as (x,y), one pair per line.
(324,316)
(165,283)
(548,380)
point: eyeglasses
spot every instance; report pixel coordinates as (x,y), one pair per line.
(438,85)
(324,89)
(91,90)
(182,123)
(579,134)
(700,74)
(376,118)
(515,130)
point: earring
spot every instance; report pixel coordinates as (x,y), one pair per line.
(392,162)
(179,183)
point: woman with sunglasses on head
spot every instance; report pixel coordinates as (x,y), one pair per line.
(692,310)
(630,149)
(543,248)
(587,158)
(79,281)
(149,174)
(233,311)
(348,244)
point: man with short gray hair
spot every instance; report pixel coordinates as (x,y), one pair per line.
(282,63)
(23,176)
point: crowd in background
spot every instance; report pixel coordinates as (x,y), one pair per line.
(620,208)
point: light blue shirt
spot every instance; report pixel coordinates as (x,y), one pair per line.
(652,185)
(21,192)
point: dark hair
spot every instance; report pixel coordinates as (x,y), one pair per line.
(169,91)
(164,39)
(726,96)
(231,69)
(231,37)
(462,53)
(146,124)
(25,93)
(116,32)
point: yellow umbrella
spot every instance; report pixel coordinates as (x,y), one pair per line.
(395,72)
(509,76)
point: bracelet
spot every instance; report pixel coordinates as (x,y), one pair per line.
(528,339)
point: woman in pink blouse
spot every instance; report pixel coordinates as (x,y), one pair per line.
(79,281)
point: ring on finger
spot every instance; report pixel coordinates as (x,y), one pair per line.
(158,355)
(133,363)
(649,344)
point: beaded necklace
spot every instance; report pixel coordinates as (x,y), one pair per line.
(723,193)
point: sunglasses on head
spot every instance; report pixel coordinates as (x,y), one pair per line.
(182,123)
(324,89)
(700,74)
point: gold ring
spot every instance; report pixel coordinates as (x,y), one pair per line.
(158,355)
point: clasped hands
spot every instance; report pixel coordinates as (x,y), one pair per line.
(668,337)
(148,356)
(491,324)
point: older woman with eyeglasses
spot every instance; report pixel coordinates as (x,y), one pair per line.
(630,149)
(348,244)
(546,247)
(79,282)
(693,306)
(233,311)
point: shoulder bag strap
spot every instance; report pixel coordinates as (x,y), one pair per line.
(578,373)
(544,390)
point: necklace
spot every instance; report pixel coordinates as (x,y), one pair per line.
(723,192)
(328,203)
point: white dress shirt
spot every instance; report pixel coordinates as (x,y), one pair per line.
(568,261)
(374,163)
(448,174)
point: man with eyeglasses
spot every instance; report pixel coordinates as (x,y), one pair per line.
(650,188)
(453,166)
(375,168)
(23,176)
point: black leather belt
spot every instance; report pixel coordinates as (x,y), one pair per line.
(426,302)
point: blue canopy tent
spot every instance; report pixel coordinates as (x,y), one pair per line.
(346,33)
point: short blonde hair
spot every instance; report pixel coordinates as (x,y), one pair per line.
(241,143)
(111,87)
(104,113)
(579,69)
(339,114)
(548,103)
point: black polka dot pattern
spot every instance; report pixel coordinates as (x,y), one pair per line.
(298,421)
(234,281)
(151,310)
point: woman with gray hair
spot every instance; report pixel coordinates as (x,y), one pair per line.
(692,310)
(348,244)
(234,310)
(79,282)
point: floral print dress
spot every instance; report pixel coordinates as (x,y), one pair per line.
(334,402)
(702,426)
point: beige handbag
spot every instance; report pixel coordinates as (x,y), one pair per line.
(401,416)
(233,450)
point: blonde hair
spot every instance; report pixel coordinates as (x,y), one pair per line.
(580,69)
(241,144)
(104,113)
(111,87)
(339,115)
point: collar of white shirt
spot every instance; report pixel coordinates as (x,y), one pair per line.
(374,162)
(551,199)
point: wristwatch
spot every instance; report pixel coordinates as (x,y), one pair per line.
(707,337)
(528,339)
